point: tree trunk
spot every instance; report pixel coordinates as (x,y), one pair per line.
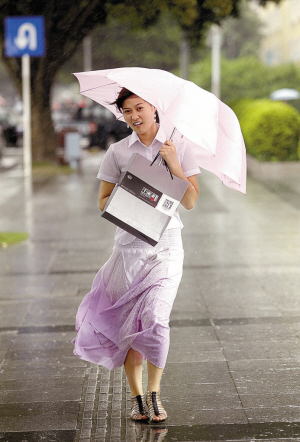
(44,139)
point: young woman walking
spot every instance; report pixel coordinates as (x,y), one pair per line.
(125,317)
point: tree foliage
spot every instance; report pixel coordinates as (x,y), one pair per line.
(214,11)
(241,35)
(246,77)
(68,22)
(115,44)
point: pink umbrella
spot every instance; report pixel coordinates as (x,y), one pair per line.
(210,126)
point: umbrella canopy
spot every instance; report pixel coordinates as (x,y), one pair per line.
(285,95)
(211,127)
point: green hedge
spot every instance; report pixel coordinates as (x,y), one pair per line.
(271,129)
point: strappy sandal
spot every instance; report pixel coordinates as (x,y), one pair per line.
(138,409)
(155,407)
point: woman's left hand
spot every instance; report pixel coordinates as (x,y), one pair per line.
(168,152)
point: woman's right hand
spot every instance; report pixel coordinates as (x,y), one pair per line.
(104,193)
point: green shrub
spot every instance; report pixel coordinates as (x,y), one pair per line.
(246,77)
(271,129)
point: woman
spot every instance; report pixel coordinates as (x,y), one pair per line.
(125,317)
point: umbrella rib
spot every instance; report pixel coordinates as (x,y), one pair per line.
(97,87)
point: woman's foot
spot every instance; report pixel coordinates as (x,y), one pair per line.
(138,409)
(156,411)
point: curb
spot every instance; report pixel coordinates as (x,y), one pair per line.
(270,170)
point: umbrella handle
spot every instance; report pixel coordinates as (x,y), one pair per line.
(165,163)
(157,155)
(172,134)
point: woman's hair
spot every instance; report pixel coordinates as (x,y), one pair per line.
(123,95)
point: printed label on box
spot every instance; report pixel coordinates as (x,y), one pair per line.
(167,205)
(140,189)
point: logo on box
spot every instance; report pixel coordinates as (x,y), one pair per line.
(146,193)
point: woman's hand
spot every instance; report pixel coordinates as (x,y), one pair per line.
(168,152)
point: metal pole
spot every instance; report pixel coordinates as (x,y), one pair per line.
(216,60)
(184,58)
(87,53)
(26,91)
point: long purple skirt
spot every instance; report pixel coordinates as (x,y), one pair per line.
(130,303)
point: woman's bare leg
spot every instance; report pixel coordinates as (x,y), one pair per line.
(154,378)
(133,368)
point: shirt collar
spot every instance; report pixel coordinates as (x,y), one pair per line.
(160,136)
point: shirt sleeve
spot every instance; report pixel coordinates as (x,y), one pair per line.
(189,163)
(109,170)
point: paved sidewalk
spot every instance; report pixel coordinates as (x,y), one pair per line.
(233,367)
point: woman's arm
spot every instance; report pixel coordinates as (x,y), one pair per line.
(190,197)
(168,152)
(104,193)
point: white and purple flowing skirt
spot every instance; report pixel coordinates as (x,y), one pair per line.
(130,303)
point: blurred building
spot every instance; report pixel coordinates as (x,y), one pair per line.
(281,32)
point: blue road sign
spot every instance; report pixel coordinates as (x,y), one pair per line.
(25,35)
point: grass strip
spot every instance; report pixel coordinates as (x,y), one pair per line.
(7,238)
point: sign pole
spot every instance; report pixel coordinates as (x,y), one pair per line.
(215,60)
(26,91)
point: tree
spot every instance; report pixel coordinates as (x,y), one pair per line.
(246,77)
(241,35)
(68,22)
(214,11)
(115,44)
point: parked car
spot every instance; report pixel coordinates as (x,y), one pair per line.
(9,126)
(104,129)
(63,121)
(2,144)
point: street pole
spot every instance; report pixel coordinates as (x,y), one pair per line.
(184,58)
(87,53)
(216,60)
(26,91)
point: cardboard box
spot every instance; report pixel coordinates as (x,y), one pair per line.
(145,199)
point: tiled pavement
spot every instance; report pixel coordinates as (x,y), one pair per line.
(233,367)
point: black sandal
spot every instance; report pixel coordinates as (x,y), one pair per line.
(155,407)
(138,409)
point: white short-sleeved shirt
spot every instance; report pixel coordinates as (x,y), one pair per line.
(119,154)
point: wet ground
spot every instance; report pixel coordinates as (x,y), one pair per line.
(233,367)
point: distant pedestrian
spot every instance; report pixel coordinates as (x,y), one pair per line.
(125,317)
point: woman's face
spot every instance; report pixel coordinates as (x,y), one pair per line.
(139,114)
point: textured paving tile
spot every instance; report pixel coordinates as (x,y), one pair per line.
(12,313)
(252,350)
(38,416)
(199,373)
(37,436)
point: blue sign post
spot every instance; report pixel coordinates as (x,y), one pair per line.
(25,37)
